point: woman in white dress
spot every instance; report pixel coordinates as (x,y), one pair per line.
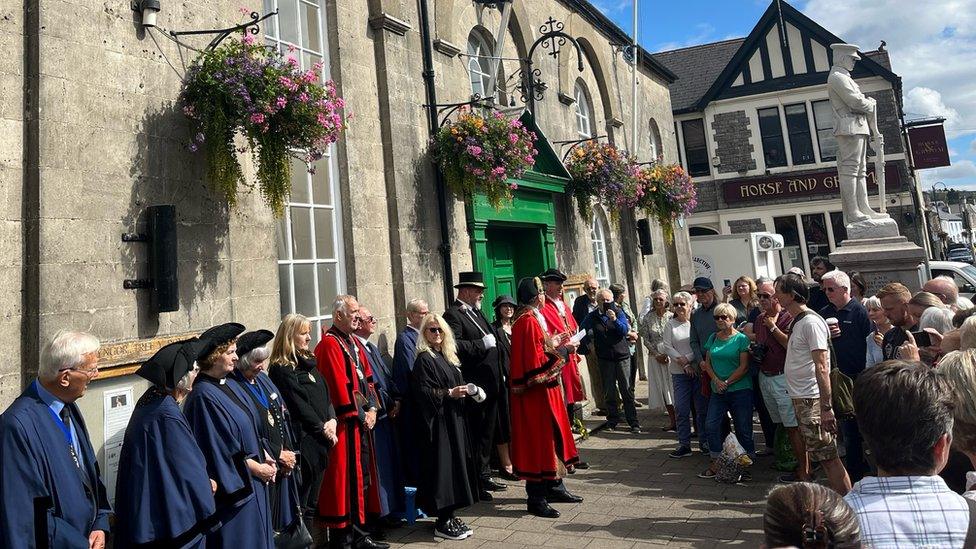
(652,326)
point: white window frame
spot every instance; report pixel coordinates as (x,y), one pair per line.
(479,64)
(584,112)
(598,240)
(323,304)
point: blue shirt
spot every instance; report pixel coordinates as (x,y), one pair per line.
(851,345)
(56,405)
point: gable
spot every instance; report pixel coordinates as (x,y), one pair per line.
(785,50)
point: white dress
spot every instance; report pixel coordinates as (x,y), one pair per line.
(659,392)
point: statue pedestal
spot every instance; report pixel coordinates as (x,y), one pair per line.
(881,260)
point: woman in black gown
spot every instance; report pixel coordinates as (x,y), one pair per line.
(504,316)
(447,480)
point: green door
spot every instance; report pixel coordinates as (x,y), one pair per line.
(513,253)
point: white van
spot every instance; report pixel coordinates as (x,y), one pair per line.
(964,274)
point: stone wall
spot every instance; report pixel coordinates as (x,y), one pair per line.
(754,225)
(731,133)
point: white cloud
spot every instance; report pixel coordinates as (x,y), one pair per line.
(961,174)
(932,46)
(611,7)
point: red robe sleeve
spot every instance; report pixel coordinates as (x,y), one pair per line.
(334,367)
(530,364)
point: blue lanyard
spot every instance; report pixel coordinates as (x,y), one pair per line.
(65,430)
(258,393)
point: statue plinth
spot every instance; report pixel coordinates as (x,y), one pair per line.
(880,259)
(872,228)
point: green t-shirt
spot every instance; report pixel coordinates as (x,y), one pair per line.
(724,356)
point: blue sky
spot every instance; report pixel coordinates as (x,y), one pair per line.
(932,45)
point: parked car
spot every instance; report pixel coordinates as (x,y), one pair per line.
(960,254)
(964,275)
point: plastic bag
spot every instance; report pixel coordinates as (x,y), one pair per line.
(733,461)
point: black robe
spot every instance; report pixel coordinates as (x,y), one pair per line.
(503,429)
(448,478)
(307,398)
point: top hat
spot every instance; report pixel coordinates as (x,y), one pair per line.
(845,49)
(553,275)
(471,278)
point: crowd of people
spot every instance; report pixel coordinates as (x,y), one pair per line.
(244,436)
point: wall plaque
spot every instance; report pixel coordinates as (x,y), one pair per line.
(125,357)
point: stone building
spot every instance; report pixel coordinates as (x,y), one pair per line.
(92,135)
(755,130)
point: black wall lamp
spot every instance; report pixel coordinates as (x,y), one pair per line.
(148,9)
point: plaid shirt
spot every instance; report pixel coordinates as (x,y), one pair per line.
(909,512)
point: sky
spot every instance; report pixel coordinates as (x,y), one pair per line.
(931,43)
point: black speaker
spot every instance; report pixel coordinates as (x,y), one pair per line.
(644,236)
(162,257)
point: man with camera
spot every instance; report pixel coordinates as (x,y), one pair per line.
(772,329)
(609,328)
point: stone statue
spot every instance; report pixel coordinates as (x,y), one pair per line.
(855,123)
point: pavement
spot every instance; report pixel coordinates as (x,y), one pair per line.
(634,496)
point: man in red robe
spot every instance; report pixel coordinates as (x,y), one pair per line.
(349,487)
(560,320)
(542,442)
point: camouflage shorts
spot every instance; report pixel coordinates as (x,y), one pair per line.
(821,445)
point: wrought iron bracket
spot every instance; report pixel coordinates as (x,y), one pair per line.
(451,108)
(251,26)
(573,143)
(552,38)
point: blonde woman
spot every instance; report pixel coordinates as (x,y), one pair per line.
(447,481)
(313,419)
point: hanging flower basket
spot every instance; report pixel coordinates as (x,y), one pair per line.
(282,111)
(481,154)
(668,193)
(600,171)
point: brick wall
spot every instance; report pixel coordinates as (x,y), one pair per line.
(731,137)
(739,226)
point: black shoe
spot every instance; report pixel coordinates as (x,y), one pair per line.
(562,497)
(600,412)
(484,495)
(638,404)
(367,542)
(582,465)
(610,427)
(635,429)
(450,530)
(681,452)
(492,486)
(543,510)
(508,476)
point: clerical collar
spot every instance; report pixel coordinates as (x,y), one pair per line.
(211,379)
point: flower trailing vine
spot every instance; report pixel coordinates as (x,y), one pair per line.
(669,193)
(600,171)
(283,111)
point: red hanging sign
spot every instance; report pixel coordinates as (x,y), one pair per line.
(929,148)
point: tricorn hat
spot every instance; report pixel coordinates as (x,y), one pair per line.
(170,363)
(553,275)
(503,300)
(252,340)
(846,49)
(471,278)
(217,336)
(528,289)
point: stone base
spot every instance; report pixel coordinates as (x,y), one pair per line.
(872,228)
(881,261)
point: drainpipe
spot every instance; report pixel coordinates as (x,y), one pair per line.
(433,124)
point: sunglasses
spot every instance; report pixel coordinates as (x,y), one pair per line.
(764,296)
(679,304)
(435,330)
(723,317)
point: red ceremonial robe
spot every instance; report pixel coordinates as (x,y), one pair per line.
(564,322)
(541,436)
(342,501)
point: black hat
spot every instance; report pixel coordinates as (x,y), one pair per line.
(553,275)
(252,340)
(217,336)
(503,300)
(528,289)
(170,363)
(471,278)
(703,283)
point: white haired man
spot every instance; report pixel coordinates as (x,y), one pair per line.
(50,486)
(946,290)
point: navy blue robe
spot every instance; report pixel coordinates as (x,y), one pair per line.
(404,357)
(385,444)
(163,493)
(223,429)
(284,492)
(36,465)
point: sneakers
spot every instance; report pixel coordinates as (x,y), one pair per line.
(454,528)
(682,451)
(610,427)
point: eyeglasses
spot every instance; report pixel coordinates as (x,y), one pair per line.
(764,296)
(722,317)
(368,319)
(679,304)
(90,373)
(435,330)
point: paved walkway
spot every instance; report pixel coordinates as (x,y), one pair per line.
(635,496)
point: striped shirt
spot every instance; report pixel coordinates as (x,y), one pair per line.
(909,512)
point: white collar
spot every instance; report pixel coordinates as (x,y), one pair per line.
(361,339)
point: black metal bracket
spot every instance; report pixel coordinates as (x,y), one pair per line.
(137,284)
(135,237)
(573,143)
(552,38)
(248,27)
(451,108)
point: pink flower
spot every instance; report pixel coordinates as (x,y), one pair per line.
(248,39)
(513,186)
(291,48)
(513,138)
(257,118)
(244,10)
(478,172)
(281,102)
(292,61)
(303,97)
(474,150)
(498,171)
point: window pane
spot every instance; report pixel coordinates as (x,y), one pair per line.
(823,117)
(288,20)
(790,254)
(324,246)
(328,286)
(321,188)
(696,150)
(269,25)
(281,237)
(301,233)
(310,28)
(299,182)
(801,144)
(815,231)
(772,137)
(840,230)
(284,279)
(305,290)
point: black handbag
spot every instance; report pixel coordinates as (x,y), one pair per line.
(295,536)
